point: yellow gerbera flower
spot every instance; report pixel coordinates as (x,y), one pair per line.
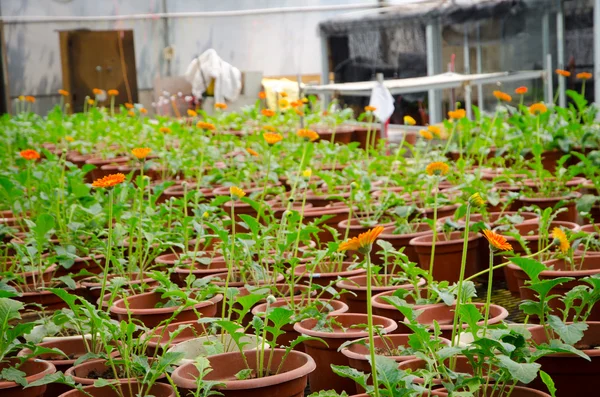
(272,138)
(236,192)
(560,238)
(437,168)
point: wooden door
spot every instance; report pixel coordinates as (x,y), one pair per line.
(98,59)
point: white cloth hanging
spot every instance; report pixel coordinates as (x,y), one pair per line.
(383,101)
(208,66)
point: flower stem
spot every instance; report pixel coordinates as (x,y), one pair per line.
(463,265)
(370,324)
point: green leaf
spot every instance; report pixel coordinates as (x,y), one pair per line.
(530,266)
(14,375)
(244,374)
(523,372)
(43,224)
(469,313)
(569,333)
(354,374)
(545,286)
(548,382)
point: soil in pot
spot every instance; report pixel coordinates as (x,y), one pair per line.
(357,285)
(289,381)
(339,333)
(206,346)
(448,254)
(34,370)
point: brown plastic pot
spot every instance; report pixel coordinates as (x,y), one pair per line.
(341,134)
(384,309)
(516,391)
(99,172)
(550,202)
(322,276)
(290,381)
(142,307)
(219,279)
(338,213)
(34,371)
(91,264)
(325,355)
(448,254)
(444,316)
(400,241)
(588,266)
(573,375)
(357,285)
(128,390)
(529,232)
(80,373)
(337,307)
(93,286)
(160,337)
(358,353)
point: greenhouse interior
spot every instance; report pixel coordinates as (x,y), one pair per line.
(299,198)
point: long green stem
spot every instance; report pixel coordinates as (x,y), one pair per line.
(108,248)
(370,324)
(455,325)
(230,263)
(434,238)
(488,298)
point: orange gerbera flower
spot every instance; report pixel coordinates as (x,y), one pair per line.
(143,110)
(29,154)
(502,96)
(192,113)
(363,242)
(269,128)
(141,152)
(299,112)
(370,108)
(69,139)
(131,113)
(205,126)
(308,135)
(97,91)
(63,92)
(272,138)
(128,105)
(252,152)
(426,134)
(262,95)
(165,130)
(561,239)
(283,94)
(236,192)
(435,130)
(109,180)
(457,114)
(584,75)
(538,108)
(113,92)
(220,105)
(30,99)
(437,168)
(564,73)
(521,90)
(267,112)
(497,241)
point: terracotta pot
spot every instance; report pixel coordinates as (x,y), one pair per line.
(331,307)
(220,279)
(384,309)
(160,337)
(591,249)
(142,307)
(73,348)
(132,390)
(462,365)
(93,286)
(91,264)
(400,241)
(323,276)
(444,315)
(289,382)
(573,375)
(341,134)
(37,277)
(494,218)
(98,172)
(588,266)
(322,198)
(362,131)
(183,268)
(549,159)
(550,202)
(338,213)
(448,254)
(178,191)
(34,370)
(529,232)
(358,353)
(81,373)
(357,285)
(324,356)
(47,300)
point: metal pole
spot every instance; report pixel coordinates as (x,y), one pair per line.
(324,68)
(479,68)
(432,38)
(467,61)
(560,53)
(549,74)
(545,53)
(597,51)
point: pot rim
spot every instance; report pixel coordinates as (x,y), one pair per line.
(49,370)
(161,310)
(351,285)
(419,241)
(498,318)
(298,327)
